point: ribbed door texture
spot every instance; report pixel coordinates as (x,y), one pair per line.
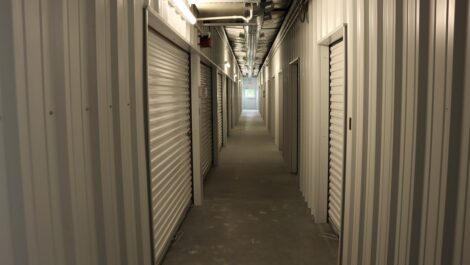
(336,134)
(220,125)
(169,138)
(206,119)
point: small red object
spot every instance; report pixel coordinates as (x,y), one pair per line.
(205,41)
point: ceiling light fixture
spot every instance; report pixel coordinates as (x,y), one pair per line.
(184,9)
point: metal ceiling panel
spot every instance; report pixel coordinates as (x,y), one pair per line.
(236,34)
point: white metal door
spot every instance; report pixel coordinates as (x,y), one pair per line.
(271,108)
(206,119)
(219,111)
(169,138)
(336,134)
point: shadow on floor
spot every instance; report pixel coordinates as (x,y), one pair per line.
(253,211)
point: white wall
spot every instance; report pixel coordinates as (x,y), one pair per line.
(75,174)
(73,177)
(297,43)
(407,173)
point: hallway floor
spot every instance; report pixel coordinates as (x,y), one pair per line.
(253,211)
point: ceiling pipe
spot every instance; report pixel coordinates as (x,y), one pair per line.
(252,34)
(246,19)
(228,24)
(289,21)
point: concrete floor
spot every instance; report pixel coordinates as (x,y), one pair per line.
(253,212)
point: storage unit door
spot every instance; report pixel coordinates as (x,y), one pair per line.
(336,134)
(266,102)
(168,138)
(263,95)
(219,111)
(206,119)
(271,108)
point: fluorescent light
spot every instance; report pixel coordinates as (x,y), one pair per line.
(184,9)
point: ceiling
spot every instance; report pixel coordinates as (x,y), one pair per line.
(268,19)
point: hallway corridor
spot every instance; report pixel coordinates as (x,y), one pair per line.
(253,211)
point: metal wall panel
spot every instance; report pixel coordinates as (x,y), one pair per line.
(73,174)
(336,134)
(205,119)
(404,200)
(220,116)
(73,171)
(169,129)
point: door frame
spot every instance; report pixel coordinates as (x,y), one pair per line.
(324,45)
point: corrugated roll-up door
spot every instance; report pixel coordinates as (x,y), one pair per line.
(169,138)
(206,119)
(220,129)
(336,134)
